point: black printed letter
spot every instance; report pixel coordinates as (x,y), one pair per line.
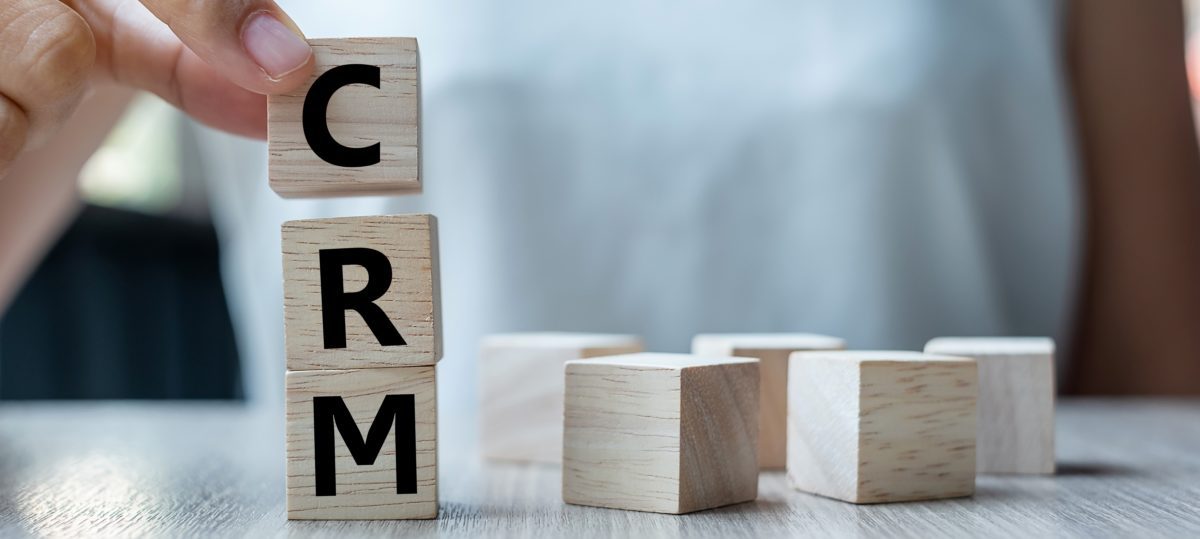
(316,105)
(396,409)
(335,301)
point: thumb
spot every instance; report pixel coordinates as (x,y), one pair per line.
(253,43)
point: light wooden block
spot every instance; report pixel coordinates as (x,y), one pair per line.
(521,387)
(410,302)
(873,427)
(368,490)
(665,433)
(772,351)
(358,116)
(1016,401)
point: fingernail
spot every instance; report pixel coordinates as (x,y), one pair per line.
(277,49)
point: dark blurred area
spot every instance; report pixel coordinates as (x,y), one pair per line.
(126,305)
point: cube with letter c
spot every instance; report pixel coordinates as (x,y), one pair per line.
(354,127)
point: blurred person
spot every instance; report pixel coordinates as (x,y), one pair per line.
(885,172)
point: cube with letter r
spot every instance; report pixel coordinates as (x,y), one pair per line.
(361,292)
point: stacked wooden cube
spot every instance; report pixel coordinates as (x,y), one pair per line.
(361,301)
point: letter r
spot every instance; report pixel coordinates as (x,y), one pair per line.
(335,301)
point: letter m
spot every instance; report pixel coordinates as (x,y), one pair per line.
(398,410)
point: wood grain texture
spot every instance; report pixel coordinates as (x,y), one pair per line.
(1127,468)
(665,433)
(363,491)
(1016,401)
(358,116)
(772,350)
(411,302)
(874,427)
(521,389)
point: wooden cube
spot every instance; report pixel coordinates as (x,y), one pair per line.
(772,351)
(666,433)
(1016,401)
(354,127)
(872,427)
(521,387)
(361,292)
(362,444)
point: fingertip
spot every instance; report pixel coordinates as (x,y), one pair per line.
(278,48)
(251,42)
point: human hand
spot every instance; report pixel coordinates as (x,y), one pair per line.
(214,59)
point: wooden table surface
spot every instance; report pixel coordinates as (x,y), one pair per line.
(1128,468)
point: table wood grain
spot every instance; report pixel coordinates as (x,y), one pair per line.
(1128,468)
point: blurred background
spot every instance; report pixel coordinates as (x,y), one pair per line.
(128,304)
(140,270)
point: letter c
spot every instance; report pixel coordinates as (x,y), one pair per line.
(316,105)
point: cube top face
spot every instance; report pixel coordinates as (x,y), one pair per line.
(655,361)
(582,342)
(361,292)
(882,427)
(642,436)
(731,343)
(991,346)
(395,414)
(354,127)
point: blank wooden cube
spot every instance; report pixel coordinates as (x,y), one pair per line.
(362,444)
(872,427)
(354,127)
(521,384)
(666,433)
(772,350)
(1016,401)
(361,292)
